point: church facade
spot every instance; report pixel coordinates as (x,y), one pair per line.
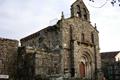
(70,48)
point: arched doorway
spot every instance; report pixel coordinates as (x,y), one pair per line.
(82,69)
(85,65)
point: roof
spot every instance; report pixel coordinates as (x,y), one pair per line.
(6,39)
(36,34)
(106,55)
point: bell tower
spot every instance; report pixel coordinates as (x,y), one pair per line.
(78,9)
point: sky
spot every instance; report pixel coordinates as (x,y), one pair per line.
(19,18)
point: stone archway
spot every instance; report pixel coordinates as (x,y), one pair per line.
(85,65)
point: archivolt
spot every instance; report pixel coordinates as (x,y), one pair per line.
(86,54)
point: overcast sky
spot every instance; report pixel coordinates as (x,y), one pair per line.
(19,18)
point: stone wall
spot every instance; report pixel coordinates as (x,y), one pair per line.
(8,49)
(47,39)
(37,63)
(47,64)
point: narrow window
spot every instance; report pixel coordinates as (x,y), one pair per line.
(78,11)
(85,13)
(82,37)
(85,16)
(92,37)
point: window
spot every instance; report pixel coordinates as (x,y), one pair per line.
(85,16)
(92,37)
(78,11)
(82,37)
(85,13)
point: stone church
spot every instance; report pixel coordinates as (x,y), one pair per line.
(70,48)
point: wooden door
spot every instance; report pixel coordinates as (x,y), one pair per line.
(82,69)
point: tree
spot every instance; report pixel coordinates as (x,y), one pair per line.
(113,2)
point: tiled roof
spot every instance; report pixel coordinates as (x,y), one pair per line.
(109,54)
